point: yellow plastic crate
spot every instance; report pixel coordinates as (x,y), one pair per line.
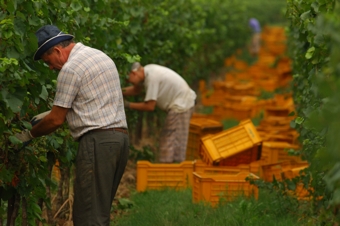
(282,170)
(240,65)
(243,89)
(213,188)
(211,98)
(255,167)
(294,172)
(241,112)
(228,143)
(271,171)
(200,127)
(164,175)
(273,152)
(244,157)
(302,193)
(277,111)
(202,167)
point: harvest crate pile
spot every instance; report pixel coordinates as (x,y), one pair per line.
(219,161)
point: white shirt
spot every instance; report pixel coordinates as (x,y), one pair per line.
(167,88)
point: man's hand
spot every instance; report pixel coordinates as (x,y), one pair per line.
(24,136)
(126,104)
(38,118)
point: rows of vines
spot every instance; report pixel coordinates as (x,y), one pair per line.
(192,37)
(315,50)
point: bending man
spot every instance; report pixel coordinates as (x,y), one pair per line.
(169,91)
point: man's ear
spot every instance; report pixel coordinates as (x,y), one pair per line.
(57,49)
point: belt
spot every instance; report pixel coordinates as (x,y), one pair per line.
(122,130)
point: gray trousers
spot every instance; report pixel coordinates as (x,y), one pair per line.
(174,137)
(100,164)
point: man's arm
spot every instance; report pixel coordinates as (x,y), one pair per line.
(50,122)
(132,90)
(143,106)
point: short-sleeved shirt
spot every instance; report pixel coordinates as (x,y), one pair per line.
(88,84)
(255,25)
(167,88)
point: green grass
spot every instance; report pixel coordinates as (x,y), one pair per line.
(173,208)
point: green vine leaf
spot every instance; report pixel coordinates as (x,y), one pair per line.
(299,120)
(305,15)
(14,100)
(310,52)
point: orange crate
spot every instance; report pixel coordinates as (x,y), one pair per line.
(244,157)
(255,167)
(228,143)
(301,192)
(271,171)
(200,127)
(281,170)
(240,65)
(161,175)
(243,89)
(238,99)
(202,167)
(202,86)
(213,188)
(211,97)
(294,172)
(269,85)
(273,152)
(241,112)
(277,111)
(229,61)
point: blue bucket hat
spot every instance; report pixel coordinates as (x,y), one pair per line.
(49,36)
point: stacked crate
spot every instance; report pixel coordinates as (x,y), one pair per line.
(282,170)
(275,126)
(199,127)
(222,160)
(276,132)
(214,188)
(238,145)
(287,170)
(212,184)
(156,176)
(225,166)
(271,71)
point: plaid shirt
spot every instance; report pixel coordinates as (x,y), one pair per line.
(88,84)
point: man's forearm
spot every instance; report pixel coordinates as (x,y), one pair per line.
(44,127)
(50,122)
(131,90)
(142,106)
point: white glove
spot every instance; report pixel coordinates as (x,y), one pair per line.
(37,118)
(24,136)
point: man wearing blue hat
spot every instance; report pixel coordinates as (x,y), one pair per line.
(89,98)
